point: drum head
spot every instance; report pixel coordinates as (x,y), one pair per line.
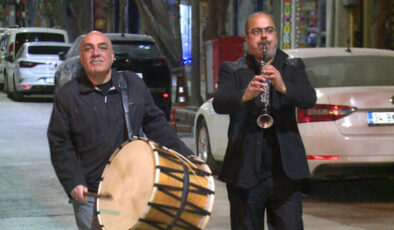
(129,179)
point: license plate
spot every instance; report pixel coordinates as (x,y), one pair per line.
(48,79)
(380,118)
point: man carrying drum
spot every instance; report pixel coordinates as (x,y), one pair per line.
(90,119)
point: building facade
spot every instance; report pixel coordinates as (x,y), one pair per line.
(323,23)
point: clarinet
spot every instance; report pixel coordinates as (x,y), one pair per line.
(265,121)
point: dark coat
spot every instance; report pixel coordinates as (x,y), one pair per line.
(243,155)
(86,127)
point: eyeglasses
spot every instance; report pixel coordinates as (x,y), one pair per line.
(257,31)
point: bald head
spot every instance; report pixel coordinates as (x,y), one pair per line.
(95,35)
(257,14)
(96,56)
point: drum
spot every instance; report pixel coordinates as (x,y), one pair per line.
(152,187)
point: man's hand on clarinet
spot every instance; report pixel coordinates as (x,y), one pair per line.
(255,87)
(271,73)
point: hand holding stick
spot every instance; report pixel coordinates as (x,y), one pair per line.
(101,196)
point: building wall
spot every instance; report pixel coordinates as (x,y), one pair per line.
(245,8)
(341,25)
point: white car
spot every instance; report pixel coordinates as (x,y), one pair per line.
(13,39)
(350,131)
(35,65)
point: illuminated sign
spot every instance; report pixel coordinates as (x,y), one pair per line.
(286,42)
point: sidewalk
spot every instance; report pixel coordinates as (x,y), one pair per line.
(185,114)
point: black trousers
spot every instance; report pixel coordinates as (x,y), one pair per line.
(279,196)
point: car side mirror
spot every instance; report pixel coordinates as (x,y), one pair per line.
(9,58)
(62,56)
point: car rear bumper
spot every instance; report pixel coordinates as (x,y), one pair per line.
(36,85)
(347,156)
(39,89)
(347,170)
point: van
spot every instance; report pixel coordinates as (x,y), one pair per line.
(14,38)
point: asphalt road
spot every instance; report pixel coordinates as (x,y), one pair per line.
(32,198)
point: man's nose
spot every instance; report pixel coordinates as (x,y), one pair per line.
(96,51)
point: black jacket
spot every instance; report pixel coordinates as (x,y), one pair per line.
(86,127)
(243,155)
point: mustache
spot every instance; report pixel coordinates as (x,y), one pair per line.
(264,42)
(97,59)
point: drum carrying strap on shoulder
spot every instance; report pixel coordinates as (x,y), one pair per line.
(123,89)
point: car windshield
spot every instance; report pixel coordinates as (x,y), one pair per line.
(135,49)
(47,49)
(21,38)
(350,71)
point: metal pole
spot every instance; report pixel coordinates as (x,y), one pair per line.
(351,27)
(196,91)
(367,24)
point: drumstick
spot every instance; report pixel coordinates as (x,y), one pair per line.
(101,196)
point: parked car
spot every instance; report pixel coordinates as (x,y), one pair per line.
(3,52)
(14,39)
(135,52)
(350,131)
(35,65)
(2,29)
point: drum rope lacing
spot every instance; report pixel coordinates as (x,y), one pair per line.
(166,189)
(189,168)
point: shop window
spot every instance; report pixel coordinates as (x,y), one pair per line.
(311,23)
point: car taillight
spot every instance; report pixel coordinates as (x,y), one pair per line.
(27,64)
(320,157)
(159,61)
(11,47)
(165,95)
(323,113)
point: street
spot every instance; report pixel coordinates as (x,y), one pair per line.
(32,198)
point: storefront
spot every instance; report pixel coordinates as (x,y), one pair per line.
(302,23)
(330,23)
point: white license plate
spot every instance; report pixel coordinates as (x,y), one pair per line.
(48,79)
(380,118)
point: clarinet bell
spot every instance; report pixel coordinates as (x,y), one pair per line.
(265,121)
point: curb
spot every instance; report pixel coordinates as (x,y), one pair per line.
(185,118)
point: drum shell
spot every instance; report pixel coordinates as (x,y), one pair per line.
(153,186)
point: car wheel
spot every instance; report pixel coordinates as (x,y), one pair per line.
(18,96)
(203,146)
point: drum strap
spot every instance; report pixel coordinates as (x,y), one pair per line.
(123,89)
